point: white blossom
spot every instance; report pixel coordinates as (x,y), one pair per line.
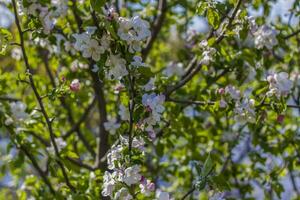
(133,31)
(20,7)
(75,65)
(151,132)
(124,113)
(160,195)
(18,110)
(16,53)
(109,184)
(114,156)
(252,24)
(154,102)
(190,111)
(8,121)
(234,93)
(81,39)
(150,85)
(146,186)
(137,142)
(279,84)
(141,27)
(92,49)
(223,103)
(132,175)
(138,62)
(123,194)
(95,68)
(207,55)
(124,30)
(174,69)
(265,36)
(117,66)
(208,52)
(90,30)
(112,125)
(61,7)
(244,111)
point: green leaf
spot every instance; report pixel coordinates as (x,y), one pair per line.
(220,183)
(97,5)
(72,155)
(208,166)
(5,37)
(213,18)
(201,7)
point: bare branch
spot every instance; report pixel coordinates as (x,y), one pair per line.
(5,98)
(194,71)
(162,9)
(38,97)
(81,164)
(81,120)
(291,35)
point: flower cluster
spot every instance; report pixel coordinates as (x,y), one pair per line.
(134,31)
(90,47)
(47,16)
(117,66)
(121,174)
(265,36)
(208,53)
(279,84)
(154,106)
(244,108)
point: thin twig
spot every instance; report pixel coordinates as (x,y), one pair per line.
(202,103)
(38,97)
(81,164)
(35,164)
(189,193)
(44,55)
(98,85)
(188,77)
(291,35)
(81,120)
(162,9)
(4,98)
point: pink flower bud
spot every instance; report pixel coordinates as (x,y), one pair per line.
(118,88)
(280,118)
(221,91)
(75,85)
(63,78)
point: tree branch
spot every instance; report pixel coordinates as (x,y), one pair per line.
(81,120)
(189,193)
(81,164)
(38,97)
(194,71)
(291,35)
(4,98)
(34,163)
(44,54)
(202,103)
(162,9)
